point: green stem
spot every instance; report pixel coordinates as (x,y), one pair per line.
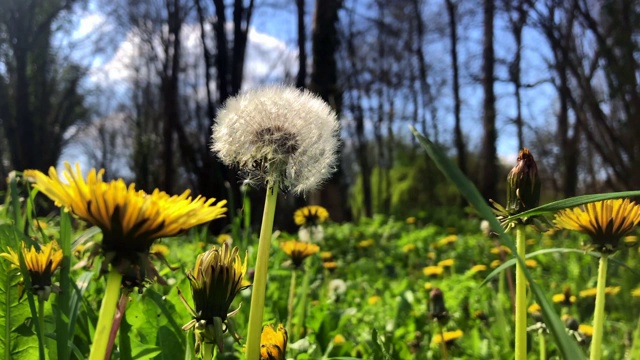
(598,314)
(543,346)
(260,280)
(41,336)
(443,344)
(300,330)
(105,318)
(292,296)
(521,297)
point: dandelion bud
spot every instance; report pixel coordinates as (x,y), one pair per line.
(523,184)
(438,311)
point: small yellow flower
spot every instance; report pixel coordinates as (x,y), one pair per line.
(446,263)
(216,279)
(273,344)
(339,340)
(533,308)
(630,240)
(635,292)
(330,265)
(606,222)
(130,220)
(431,255)
(495,263)
(374,299)
(478,268)
(609,290)
(160,249)
(501,249)
(433,270)
(531,263)
(448,337)
(298,251)
(310,215)
(223,238)
(326,256)
(40,264)
(449,239)
(365,243)
(586,330)
(408,248)
(411,220)
(428,286)
(562,299)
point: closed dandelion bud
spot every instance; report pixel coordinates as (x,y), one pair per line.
(438,310)
(523,184)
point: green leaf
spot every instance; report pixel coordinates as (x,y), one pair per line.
(567,346)
(17,339)
(62,308)
(512,261)
(573,202)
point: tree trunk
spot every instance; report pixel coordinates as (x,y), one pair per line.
(301,78)
(489,166)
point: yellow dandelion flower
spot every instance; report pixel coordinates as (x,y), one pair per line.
(533,308)
(563,299)
(591,292)
(408,248)
(635,292)
(326,256)
(449,239)
(495,263)
(273,344)
(330,265)
(478,268)
(223,238)
(431,255)
(433,270)
(130,220)
(531,263)
(606,222)
(411,220)
(630,240)
(374,299)
(446,263)
(428,286)
(365,243)
(40,264)
(298,251)
(448,337)
(501,249)
(310,215)
(160,249)
(586,330)
(339,340)
(216,279)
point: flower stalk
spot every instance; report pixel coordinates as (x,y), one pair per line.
(106,315)
(598,315)
(260,280)
(521,297)
(292,296)
(41,334)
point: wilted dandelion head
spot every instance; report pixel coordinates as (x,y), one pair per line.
(278,134)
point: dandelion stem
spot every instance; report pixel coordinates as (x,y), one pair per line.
(105,318)
(521,298)
(260,280)
(117,320)
(598,315)
(41,336)
(292,296)
(543,345)
(443,344)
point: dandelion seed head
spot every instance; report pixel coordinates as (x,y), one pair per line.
(278,134)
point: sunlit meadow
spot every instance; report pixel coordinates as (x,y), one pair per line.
(117,273)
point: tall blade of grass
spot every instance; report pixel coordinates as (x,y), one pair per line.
(512,261)
(568,347)
(76,301)
(63,299)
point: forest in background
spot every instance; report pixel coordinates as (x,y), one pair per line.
(559,77)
